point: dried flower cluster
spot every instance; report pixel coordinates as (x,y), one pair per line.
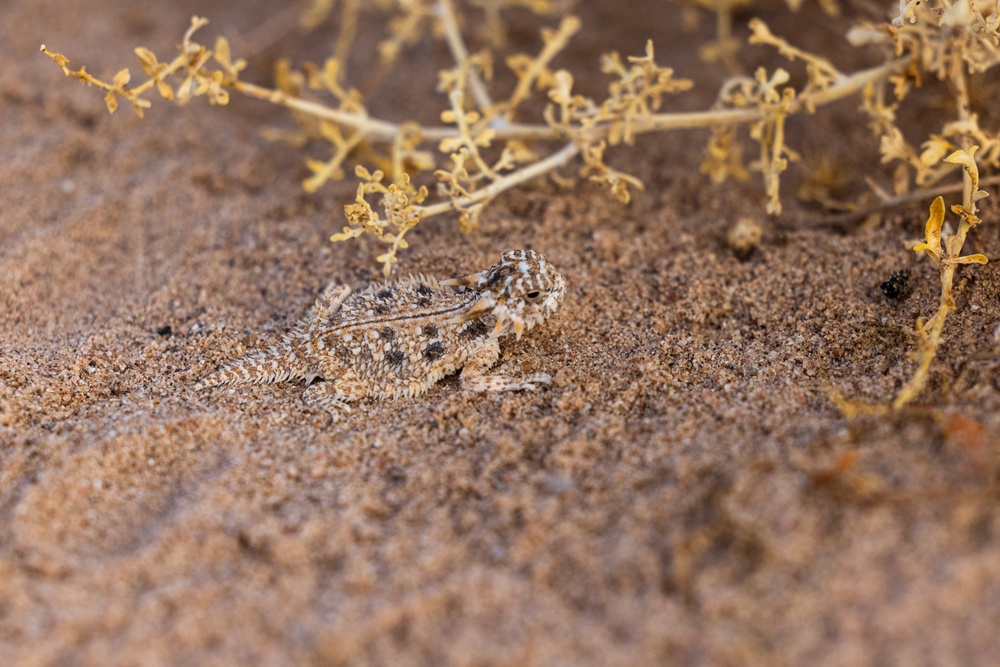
(190,66)
(485,144)
(951,41)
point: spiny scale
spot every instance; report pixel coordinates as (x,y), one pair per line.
(399,338)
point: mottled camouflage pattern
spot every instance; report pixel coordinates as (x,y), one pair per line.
(399,338)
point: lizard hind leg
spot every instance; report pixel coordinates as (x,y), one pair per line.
(482,359)
(330,397)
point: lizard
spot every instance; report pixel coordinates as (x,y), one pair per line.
(399,338)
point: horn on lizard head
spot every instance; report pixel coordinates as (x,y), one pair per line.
(469,281)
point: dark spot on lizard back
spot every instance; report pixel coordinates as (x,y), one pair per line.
(395,357)
(424,296)
(387,333)
(475,329)
(431,331)
(382,302)
(434,351)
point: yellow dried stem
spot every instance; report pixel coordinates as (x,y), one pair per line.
(453,36)
(117,87)
(631,108)
(349,17)
(723,157)
(470,138)
(325,170)
(821,73)
(636,93)
(725,47)
(315,13)
(406,28)
(889,202)
(950,39)
(597,170)
(535,71)
(948,257)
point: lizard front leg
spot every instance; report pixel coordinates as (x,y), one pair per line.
(481,359)
(329,302)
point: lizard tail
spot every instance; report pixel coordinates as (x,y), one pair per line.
(276,364)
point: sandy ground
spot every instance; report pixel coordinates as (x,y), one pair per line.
(685,493)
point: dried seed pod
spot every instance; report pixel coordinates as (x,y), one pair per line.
(744,237)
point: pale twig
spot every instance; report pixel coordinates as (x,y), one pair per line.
(382,130)
(580,132)
(348,31)
(924,194)
(567,28)
(515,178)
(930,332)
(457,100)
(453,36)
(374,128)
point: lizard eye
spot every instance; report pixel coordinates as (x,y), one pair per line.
(533,294)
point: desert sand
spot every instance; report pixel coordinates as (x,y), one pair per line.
(686,492)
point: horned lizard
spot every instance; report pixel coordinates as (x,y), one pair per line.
(399,338)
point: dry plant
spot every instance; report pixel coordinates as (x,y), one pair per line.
(483,148)
(947,254)
(948,257)
(486,144)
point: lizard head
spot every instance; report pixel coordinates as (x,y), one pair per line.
(521,291)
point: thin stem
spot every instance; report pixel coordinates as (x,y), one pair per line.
(453,36)
(724,38)
(554,161)
(375,129)
(930,334)
(348,31)
(924,194)
(382,130)
(962,96)
(567,28)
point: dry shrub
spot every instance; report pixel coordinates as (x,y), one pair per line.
(484,146)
